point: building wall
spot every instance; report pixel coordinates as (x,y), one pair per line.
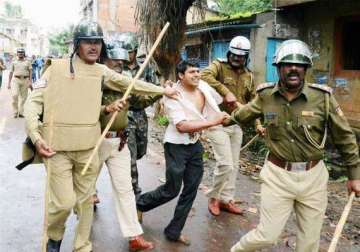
(113,15)
(22,33)
(117,15)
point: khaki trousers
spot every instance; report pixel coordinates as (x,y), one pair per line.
(68,190)
(226,143)
(282,191)
(118,163)
(19,94)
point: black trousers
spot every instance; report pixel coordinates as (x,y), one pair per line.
(184,164)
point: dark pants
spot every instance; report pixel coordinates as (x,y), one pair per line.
(137,143)
(184,163)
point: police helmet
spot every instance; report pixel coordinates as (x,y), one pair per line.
(239,45)
(116,52)
(293,51)
(129,41)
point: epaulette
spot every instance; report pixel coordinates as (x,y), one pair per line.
(40,83)
(321,87)
(265,85)
(222,60)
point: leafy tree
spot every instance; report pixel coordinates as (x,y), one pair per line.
(13,10)
(238,6)
(59,41)
(152,15)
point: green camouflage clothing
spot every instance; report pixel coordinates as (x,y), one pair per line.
(296,129)
(138,124)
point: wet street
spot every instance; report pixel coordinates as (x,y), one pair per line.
(22,205)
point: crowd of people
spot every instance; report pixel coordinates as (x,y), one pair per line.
(293,116)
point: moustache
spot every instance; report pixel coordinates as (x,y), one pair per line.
(291,74)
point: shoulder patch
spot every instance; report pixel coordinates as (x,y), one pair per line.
(264,86)
(321,87)
(40,83)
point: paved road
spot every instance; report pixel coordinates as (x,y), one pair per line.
(21,205)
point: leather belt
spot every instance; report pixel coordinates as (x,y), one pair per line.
(292,166)
(21,77)
(122,134)
(112,134)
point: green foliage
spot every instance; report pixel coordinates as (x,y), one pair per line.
(13,10)
(59,41)
(342,179)
(206,155)
(162,120)
(232,7)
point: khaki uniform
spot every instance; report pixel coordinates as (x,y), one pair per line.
(118,163)
(227,142)
(71,110)
(20,83)
(296,132)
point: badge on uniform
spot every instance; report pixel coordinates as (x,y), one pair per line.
(307,113)
(270,115)
(339,111)
(40,83)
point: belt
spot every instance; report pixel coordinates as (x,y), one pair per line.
(122,134)
(292,166)
(21,77)
(112,134)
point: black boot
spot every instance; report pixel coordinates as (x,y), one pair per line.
(53,246)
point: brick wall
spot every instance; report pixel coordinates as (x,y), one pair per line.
(117,15)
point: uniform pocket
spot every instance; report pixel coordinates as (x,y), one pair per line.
(271,122)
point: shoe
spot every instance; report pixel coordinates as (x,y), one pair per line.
(140,216)
(140,244)
(53,246)
(230,207)
(15,115)
(213,206)
(182,239)
(21,116)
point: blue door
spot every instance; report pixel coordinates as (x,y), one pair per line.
(271,72)
(219,50)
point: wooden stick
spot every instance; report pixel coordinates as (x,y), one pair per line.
(127,92)
(341,223)
(250,142)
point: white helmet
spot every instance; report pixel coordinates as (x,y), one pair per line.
(239,45)
(293,51)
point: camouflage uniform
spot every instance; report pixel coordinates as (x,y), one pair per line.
(138,124)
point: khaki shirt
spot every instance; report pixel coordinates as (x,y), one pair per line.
(21,68)
(112,80)
(221,76)
(285,122)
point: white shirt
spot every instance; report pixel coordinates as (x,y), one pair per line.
(184,110)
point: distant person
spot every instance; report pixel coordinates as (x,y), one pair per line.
(21,70)
(2,68)
(34,66)
(40,64)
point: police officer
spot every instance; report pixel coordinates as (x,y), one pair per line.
(298,116)
(70,102)
(114,152)
(234,81)
(21,70)
(138,123)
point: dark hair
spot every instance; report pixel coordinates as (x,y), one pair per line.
(185,64)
